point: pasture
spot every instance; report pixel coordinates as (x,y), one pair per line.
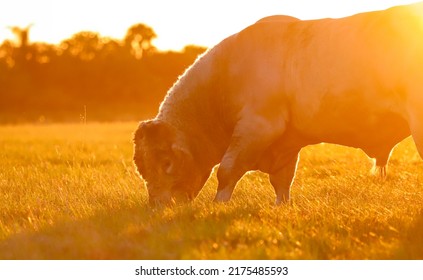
(69,191)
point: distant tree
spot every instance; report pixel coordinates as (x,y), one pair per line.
(6,53)
(193,50)
(106,76)
(43,52)
(22,36)
(112,49)
(83,45)
(138,40)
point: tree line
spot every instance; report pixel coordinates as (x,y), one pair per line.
(87,76)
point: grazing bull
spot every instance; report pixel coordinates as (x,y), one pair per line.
(255,99)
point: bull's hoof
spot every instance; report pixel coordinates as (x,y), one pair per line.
(282,199)
(280,202)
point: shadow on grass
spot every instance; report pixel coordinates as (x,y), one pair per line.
(198,231)
(411,244)
(133,232)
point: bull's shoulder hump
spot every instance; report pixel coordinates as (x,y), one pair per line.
(266,27)
(278,18)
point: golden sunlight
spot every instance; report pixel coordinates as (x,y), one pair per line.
(109,107)
(177,23)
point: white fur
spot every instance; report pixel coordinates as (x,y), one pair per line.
(254,100)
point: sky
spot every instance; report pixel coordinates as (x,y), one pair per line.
(177,23)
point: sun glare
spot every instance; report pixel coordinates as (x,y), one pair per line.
(177,23)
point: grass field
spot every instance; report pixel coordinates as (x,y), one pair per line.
(70,191)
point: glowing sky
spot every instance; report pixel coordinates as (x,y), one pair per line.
(177,23)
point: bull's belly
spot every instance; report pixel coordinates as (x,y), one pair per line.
(376,137)
(376,141)
(360,131)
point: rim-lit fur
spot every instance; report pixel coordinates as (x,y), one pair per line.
(254,100)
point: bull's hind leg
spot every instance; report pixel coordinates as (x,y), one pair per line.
(417,133)
(416,125)
(415,119)
(251,138)
(282,180)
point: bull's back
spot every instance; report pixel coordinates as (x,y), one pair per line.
(278,18)
(344,79)
(332,79)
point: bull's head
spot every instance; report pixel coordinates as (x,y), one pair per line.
(164,160)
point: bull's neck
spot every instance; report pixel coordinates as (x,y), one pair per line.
(193,107)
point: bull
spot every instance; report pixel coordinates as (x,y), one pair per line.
(256,99)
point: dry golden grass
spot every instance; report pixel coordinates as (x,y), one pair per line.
(70,192)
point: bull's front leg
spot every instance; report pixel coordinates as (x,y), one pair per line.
(282,179)
(228,175)
(251,138)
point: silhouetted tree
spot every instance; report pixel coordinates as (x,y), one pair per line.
(138,40)
(83,45)
(104,75)
(43,52)
(22,36)
(6,53)
(193,50)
